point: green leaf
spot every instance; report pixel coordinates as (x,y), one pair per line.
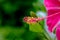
(41,23)
(8,7)
(35,27)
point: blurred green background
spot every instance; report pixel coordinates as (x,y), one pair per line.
(12,26)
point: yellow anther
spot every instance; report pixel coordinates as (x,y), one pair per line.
(32,17)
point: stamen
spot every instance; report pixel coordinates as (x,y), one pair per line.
(52,15)
(33,19)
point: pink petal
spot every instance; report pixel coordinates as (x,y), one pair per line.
(52,21)
(51,3)
(58,32)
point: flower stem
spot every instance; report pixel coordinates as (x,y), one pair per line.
(47,35)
